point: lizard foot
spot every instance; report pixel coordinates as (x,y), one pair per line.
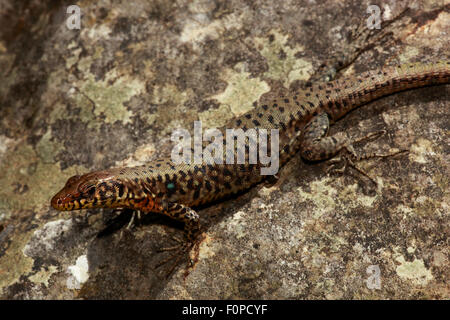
(349,157)
(180,251)
(120,219)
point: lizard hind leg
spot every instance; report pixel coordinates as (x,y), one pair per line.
(349,159)
(316,146)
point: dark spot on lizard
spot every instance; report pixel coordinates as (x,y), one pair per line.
(121,190)
(196,194)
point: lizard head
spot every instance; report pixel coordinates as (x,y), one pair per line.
(92,190)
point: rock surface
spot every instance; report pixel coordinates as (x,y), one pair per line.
(111,93)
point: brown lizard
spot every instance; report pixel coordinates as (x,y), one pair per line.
(302,120)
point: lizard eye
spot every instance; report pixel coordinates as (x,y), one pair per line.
(87,189)
(91,191)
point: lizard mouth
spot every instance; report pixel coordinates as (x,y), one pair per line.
(56,203)
(65,203)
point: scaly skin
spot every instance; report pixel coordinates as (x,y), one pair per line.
(302,119)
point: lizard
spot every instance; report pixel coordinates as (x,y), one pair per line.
(302,119)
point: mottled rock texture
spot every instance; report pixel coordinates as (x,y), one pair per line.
(111,93)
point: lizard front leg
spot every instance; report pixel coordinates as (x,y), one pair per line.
(191,221)
(183,213)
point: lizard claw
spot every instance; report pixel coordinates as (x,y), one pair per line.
(180,250)
(349,158)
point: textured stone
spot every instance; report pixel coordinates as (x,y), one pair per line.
(111,93)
